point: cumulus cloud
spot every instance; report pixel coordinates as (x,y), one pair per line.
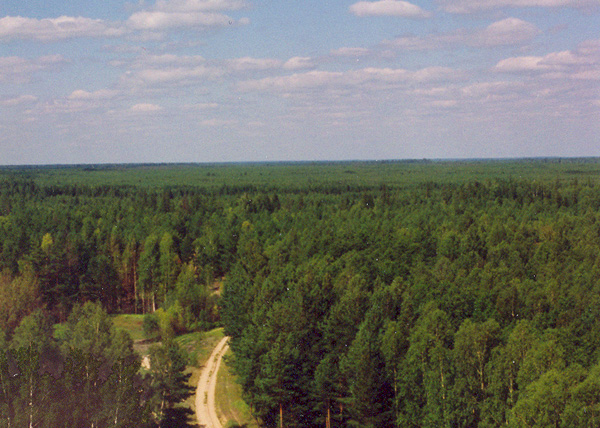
(186,13)
(178,74)
(199,5)
(161,16)
(443,103)
(299,63)
(509,31)
(250,64)
(416,43)
(52,29)
(101,94)
(145,108)
(184,70)
(159,20)
(388,8)
(491,91)
(336,79)
(351,52)
(164,60)
(506,32)
(15,101)
(581,63)
(203,106)
(15,69)
(521,63)
(217,122)
(469,6)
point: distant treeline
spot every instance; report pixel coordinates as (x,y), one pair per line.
(408,295)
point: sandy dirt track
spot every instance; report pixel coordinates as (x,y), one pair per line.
(206,411)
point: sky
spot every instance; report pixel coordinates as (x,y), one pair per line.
(255,80)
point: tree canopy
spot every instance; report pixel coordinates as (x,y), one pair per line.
(407,295)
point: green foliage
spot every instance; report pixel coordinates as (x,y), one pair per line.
(355,294)
(169,384)
(87,377)
(18,297)
(151,326)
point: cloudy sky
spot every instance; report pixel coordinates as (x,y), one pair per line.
(254,80)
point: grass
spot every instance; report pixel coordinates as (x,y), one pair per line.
(132,324)
(198,347)
(229,399)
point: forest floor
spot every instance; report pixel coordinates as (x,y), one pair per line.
(206,411)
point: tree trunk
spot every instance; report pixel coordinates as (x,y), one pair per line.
(135,292)
(280,415)
(31,401)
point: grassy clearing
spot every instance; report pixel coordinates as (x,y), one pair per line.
(197,347)
(132,324)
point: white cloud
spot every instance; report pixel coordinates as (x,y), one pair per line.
(299,63)
(492,91)
(20,100)
(251,64)
(199,5)
(507,32)
(589,47)
(158,20)
(145,108)
(567,59)
(15,69)
(184,70)
(52,29)
(101,94)
(443,103)
(310,79)
(581,63)
(335,79)
(521,63)
(388,8)
(163,60)
(353,52)
(217,122)
(587,75)
(154,76)
(186,13)
(469,6)
(162,16)
(415,43)
(203,106)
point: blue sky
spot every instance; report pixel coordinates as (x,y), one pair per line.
(257,80)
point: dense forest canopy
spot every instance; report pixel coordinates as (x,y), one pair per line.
(376,294)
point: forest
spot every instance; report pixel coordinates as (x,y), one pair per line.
(367,294)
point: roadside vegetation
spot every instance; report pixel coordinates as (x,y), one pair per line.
(372,294)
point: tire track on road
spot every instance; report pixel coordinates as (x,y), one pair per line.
(206,411)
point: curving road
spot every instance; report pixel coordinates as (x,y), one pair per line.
(206,411)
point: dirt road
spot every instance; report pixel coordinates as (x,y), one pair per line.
(206,411)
